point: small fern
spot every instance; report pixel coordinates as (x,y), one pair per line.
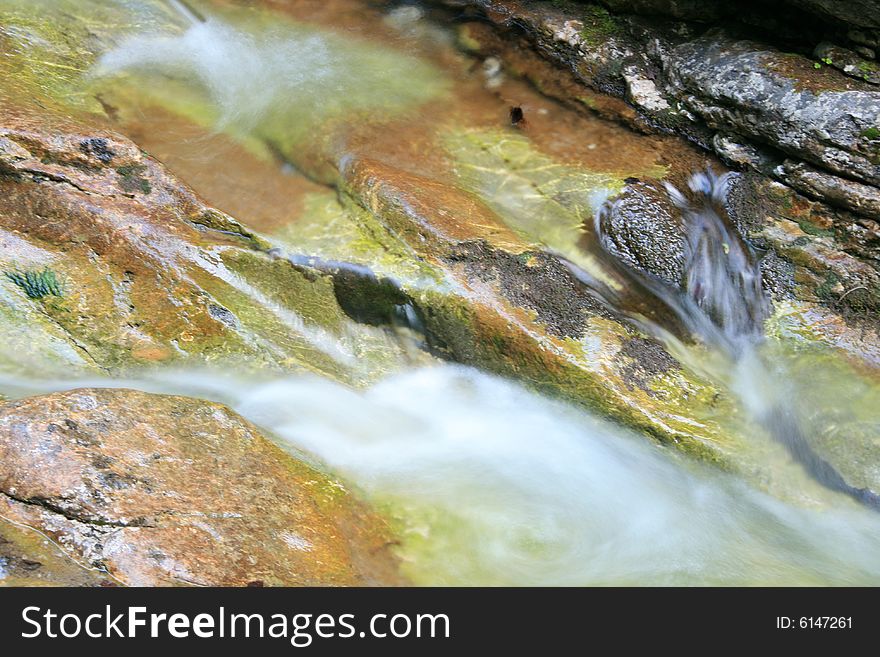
(36,284)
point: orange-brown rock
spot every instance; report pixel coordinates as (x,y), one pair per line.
(158,490)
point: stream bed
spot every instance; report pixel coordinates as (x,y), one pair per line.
(404,285)
(490,484)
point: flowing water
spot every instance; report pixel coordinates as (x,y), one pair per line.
(492,484)
(722,303)
(487,481)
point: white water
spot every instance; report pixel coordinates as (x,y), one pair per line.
(285,75)
(493,484)
(243,76)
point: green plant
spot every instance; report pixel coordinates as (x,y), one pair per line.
(36,284)
(598,25)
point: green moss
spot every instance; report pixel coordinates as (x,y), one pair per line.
(871,133)
(825,290)
(131,179)
(219,221)
(333,226)
(36,284)
(311,297)
(812,229)
(599,25)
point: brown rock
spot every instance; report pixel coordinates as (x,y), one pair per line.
(28,558)
(160,490)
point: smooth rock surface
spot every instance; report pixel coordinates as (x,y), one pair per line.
(160,490)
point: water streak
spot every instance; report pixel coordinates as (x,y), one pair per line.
(723,304)
(492,484)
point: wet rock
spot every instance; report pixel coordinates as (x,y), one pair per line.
(646,359)
(29,558)
(862,13)
(858,197)
(811,251)
(109,263)
(642,228)
(159,490)
(858,13)
(710,85)
(849,62)
(865,38)
(698,10)
(742,87)
(480,228)
(533,280)
(364,296)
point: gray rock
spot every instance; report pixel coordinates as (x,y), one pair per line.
(849,62)
(743,87)
(699,10)
(860,198)
(642,228)
(866,38)
(735,149)
(750,103)
(860,13)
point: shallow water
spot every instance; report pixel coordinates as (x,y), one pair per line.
(489,483)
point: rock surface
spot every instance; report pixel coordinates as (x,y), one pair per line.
(698,82)
(858,13)
(29,558)
(861,13)
(794,119)
(160,490)
(430,210)
(144,272)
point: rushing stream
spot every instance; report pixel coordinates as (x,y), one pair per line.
(493,484)
(486,480)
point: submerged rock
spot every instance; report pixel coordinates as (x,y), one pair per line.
(153,490)
(109,263)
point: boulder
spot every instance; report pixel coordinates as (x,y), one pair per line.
(151,490)
(857,13)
